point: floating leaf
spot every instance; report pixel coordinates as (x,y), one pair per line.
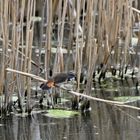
(57,113)
(36,19)
(22,115)
(1,124)
(127,99)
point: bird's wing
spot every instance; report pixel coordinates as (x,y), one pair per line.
(60,78)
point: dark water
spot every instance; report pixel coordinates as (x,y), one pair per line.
(105,122)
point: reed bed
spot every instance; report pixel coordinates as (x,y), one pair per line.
(90,31)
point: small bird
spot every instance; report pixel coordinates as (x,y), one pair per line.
(57,79)
(52,82)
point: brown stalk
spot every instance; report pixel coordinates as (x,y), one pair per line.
(5,34)
(78,47)
(58,64)
(49,36)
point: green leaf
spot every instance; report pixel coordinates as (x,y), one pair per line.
(57,113)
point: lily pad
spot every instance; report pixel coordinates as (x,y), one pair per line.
(57,113)
(1,125)
(35,19)
(127,99)
(63,100)
(111,89)
(23,115)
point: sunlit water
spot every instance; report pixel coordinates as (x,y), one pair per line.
(105,122)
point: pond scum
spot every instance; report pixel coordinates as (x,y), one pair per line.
(92,38)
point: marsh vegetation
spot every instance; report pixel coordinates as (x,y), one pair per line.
(96,41)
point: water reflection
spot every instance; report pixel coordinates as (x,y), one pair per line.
(77,128)
(105,122)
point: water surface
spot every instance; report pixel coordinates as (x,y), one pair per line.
(104,122)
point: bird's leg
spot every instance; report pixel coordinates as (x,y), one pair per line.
(50,102)
(41,98)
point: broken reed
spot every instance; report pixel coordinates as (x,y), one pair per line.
(96,27)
